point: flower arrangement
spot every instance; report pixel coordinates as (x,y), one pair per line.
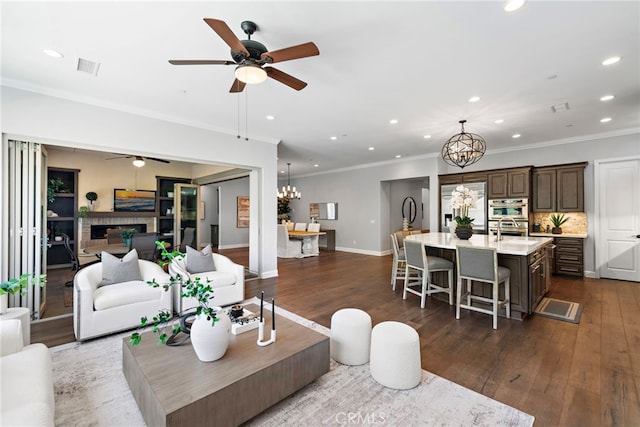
(463,198)
(201,291)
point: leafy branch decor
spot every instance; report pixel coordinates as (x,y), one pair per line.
(202,292)
(20,284)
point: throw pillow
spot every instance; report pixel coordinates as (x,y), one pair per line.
(118,270)
(200,261)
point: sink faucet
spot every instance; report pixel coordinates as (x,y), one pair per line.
(499,235)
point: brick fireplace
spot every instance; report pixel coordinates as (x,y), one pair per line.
(92,229)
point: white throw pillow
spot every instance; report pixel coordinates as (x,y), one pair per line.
(118,270)
(200,261)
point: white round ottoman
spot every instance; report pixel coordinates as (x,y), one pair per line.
(395,355)
(350,336)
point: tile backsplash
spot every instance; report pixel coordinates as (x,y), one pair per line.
(577,221)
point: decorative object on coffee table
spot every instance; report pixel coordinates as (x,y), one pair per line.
(210,331)
(557,220)
(272,338)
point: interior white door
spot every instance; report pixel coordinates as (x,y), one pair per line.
(618,244)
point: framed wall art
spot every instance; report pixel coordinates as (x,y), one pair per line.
(243,211)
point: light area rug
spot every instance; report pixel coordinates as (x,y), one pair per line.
(90,390)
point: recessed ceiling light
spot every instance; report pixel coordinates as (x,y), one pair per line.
(605,120)
(53,53)
(393,121)
(333,138)
(516,135)
(281,171)
(607,98)
(398,156)
(513,5)
(474,99)
(498,121)
(427,136)
(611,60)
(271,117)
(371,148)
(316,165)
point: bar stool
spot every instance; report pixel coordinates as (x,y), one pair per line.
(481,265)
(417,259)
(398,268)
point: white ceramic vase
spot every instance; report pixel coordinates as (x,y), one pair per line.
(4,303)
(210,342)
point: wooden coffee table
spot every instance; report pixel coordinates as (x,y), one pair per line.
(172,387)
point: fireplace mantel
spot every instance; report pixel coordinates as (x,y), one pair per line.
(111,214)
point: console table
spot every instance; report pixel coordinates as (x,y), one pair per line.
(328,240)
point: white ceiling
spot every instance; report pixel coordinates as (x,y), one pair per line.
(417,62)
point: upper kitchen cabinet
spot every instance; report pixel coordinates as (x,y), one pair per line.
(450,179)
(474,177)
(509,183)
(559,188)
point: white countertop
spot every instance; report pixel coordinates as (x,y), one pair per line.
(512,245)
(578,235)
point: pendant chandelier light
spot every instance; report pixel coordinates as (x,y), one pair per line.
(463,149)
(289,192)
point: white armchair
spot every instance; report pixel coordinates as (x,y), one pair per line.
(227,282)
(288,248)
(27,379)
(101,310)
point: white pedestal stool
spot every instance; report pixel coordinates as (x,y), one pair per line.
(395,355)
(350,336)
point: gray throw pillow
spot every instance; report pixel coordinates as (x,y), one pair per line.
(118,270)
(200,261)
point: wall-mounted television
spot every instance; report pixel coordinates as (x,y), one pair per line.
(134,200)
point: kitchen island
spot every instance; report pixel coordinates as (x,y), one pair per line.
(526,257)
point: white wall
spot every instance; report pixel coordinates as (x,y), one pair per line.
(49,120)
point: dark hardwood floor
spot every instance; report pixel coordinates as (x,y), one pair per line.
(562,373)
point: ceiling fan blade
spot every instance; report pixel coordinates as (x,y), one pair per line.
(225,33)
(157,160)
(285,78)
(200,62)
(294,52)
(237,86)
(119,157)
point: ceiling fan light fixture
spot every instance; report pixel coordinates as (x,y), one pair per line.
(138,162)
(250,74)
(463,149)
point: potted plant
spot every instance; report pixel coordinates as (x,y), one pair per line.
(83,211)
(557,220)
(57,234)
(18,284)
(126,235)
(55,185)
(463,198)
(209,331)
(91,197)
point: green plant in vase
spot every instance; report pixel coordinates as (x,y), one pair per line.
(557,220)
(126,235)
(18,285)
(91,197)
(55,185)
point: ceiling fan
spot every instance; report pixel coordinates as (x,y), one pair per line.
(250,57)
(138,160)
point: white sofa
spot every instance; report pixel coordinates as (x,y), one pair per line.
(102,310)
(227,282)
(27,397)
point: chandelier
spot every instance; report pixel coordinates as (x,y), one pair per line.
(463,149)
(289,192)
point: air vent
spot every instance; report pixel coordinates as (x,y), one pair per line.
(86,66)
(560,107)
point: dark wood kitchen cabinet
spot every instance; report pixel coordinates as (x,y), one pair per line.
(509,183)
(569,256)
(558,188)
